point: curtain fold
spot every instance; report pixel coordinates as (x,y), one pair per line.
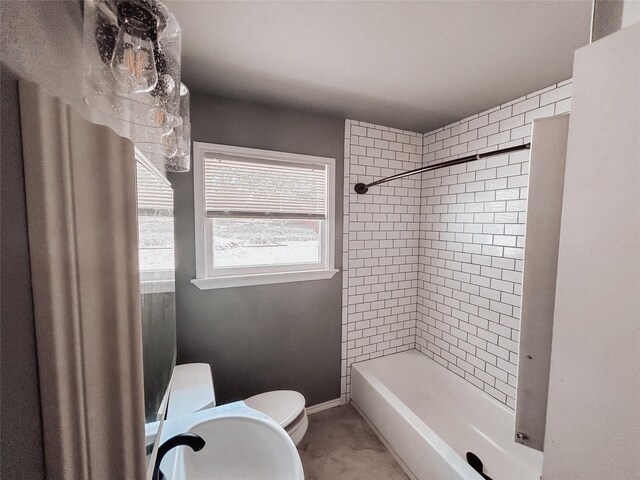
(81,208)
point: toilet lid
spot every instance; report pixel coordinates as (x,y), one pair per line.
(281,405)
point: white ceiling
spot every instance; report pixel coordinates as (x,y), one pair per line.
(410,65)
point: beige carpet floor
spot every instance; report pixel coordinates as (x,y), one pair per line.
(340,445)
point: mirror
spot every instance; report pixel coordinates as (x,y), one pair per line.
(157,298)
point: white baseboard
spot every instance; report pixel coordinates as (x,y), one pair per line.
(324,406)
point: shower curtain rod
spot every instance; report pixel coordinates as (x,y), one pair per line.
(361,188)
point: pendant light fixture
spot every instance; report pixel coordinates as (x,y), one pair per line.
(132,74)
(132,62)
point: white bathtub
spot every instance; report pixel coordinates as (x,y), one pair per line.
(430,418)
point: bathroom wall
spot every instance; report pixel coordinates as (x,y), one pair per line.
(381,239)
(267,337)
(593,415)
(471,242)
(435,263)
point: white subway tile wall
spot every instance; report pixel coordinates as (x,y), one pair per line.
(471,242)
(435,263)
(380,246)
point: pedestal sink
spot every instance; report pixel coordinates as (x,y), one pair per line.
(240,444)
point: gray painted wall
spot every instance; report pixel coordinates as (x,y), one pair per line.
(259,338)
(21,442)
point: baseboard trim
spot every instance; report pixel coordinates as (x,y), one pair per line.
(324,406)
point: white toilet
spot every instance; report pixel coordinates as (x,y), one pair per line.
(286,407)
(192,390)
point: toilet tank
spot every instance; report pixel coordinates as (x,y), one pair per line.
(191,389)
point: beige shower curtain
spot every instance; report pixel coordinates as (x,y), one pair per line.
(81,207)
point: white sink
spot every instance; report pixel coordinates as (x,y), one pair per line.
(241,443)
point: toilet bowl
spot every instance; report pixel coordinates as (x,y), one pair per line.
(192,390)
(284,406)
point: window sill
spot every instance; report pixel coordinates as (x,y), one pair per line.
(157,286)
(262,278)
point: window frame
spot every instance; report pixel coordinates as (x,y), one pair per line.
(209,278)
(155,281)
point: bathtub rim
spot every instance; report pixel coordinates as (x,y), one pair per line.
(525,464)
(468,385)
(453,458)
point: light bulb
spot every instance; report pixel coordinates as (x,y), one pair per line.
(169,144)
(157,117)
(133,61)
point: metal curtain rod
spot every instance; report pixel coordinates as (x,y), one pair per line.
(361,188)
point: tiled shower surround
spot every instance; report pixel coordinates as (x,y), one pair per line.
(380,245)
(461,236)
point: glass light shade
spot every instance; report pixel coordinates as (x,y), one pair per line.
(184,139)
(159,118)
(157,160)
(181,161)
(179,164)
(164,143)
(132,62)
(183,122)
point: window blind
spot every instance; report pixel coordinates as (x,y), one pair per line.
(242,187)
(154,195)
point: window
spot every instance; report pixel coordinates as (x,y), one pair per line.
(262,216)
(155,228)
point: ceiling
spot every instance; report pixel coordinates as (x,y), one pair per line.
(409,65)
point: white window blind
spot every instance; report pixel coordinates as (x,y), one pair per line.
(242,187)
(153,192)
